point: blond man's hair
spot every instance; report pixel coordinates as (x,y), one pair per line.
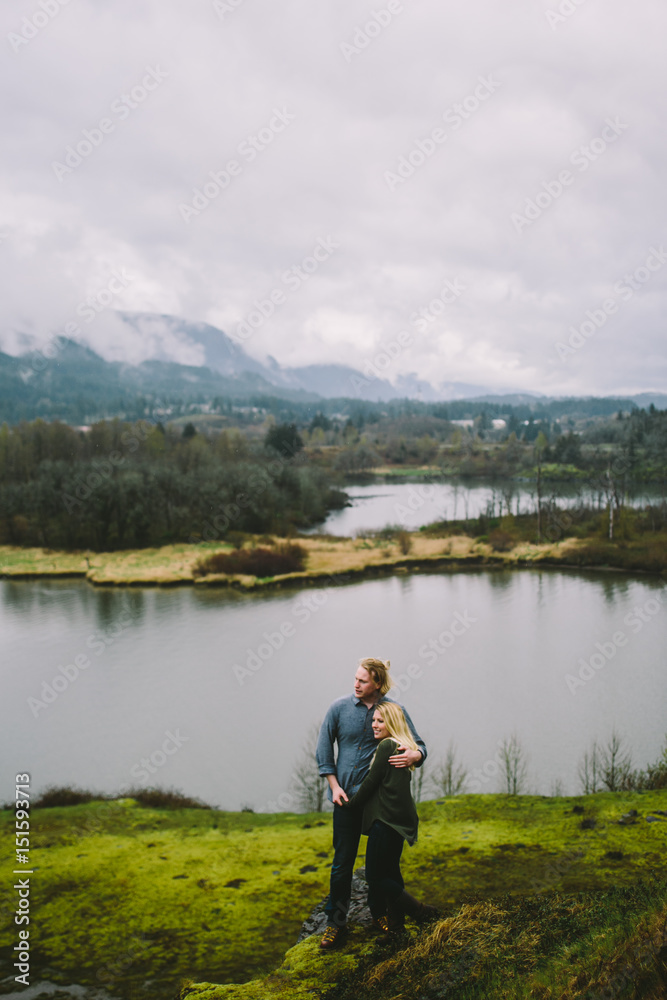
(379,671)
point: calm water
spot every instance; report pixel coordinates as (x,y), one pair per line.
(376,505)
(175,662)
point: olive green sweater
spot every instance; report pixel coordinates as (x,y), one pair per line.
(384,794)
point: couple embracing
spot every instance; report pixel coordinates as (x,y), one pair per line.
(369,785)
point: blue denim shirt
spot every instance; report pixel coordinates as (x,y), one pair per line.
(348,723)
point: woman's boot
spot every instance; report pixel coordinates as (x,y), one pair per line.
(395,921)
(421,913)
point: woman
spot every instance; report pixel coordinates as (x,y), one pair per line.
(389,818)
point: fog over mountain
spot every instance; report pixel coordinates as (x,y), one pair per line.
(485,177)
(170,338)
(135,338)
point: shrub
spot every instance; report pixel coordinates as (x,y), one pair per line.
(289,557)
(404,542)
(650,555)
(64,795)
(236,538)
(652,777)
(501,541)
(164,798)
(155,798)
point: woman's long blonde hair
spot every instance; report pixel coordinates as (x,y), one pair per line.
(397,727)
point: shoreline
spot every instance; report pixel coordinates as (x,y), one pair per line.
(330,560)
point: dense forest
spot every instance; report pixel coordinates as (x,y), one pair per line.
(633,444)
(122,485)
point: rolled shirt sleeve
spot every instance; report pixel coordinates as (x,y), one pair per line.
(325,743)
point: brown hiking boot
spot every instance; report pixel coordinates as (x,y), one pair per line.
(381,924)
(395,924)
(333,937)
(427,914)
(421,913)
(397,935)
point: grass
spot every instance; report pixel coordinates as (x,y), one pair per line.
(126,894)
(326,557)
(507,541)
(561,947)
(647,553)
(399,472)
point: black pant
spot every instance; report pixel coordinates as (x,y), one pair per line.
(346,836)
(383,868)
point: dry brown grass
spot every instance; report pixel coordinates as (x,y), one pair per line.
(326,556)
(480,923)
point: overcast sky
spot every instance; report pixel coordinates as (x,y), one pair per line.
(499,165)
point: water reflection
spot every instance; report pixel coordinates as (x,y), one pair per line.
(30,597)
(411,505)
(177,659)
(500,579)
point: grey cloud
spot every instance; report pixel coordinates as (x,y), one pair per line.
(325,174)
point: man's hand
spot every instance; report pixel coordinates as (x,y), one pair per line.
(339,796)
(404,757)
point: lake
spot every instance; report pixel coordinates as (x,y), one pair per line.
(200,689)
(411,505)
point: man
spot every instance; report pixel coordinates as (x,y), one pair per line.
(348,723)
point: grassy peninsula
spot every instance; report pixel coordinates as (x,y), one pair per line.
(329,559)
(541,897)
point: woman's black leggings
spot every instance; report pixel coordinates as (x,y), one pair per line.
(383,867)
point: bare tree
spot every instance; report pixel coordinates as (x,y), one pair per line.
(614,500)
(513,762)
(615,763)
(449,776)
(589,770)
(540,444)
(309,787)
(419,783)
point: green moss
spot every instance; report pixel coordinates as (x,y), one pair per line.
(305,972)
(124,895)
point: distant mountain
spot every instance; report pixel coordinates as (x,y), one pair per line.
(414,388)
(166,333)
(165,339)
(77,385)
(511,398)
(330,381)
(646,399)
(228,357)
(78,381)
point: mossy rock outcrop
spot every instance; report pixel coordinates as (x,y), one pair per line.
(305,972)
